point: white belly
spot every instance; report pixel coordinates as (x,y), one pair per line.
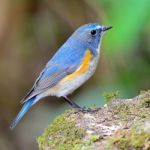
(67,87)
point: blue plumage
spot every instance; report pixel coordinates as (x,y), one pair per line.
(22,112)
(67,60)
(65,57)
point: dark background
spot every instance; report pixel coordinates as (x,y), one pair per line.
(32,31)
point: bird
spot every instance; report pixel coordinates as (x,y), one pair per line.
(71,66)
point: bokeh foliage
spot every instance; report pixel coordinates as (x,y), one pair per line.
(31,32)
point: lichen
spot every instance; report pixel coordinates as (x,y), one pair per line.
(145,103)
(129,110)
(130,139)
(122,110)
(145,99)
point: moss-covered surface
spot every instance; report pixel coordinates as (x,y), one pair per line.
(63,134)
(119,125)
(130,140)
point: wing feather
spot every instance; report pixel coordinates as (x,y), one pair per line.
(49,81)
(64,62)
(33,87)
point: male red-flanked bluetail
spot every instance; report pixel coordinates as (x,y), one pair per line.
(72,65)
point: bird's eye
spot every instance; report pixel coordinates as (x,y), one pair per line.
(93,32)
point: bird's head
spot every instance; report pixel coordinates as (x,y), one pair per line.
(90,34)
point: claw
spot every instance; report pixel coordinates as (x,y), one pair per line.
(87,110)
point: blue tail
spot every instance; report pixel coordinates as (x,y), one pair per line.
(22,112)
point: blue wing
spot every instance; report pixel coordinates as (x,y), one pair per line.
(63,63)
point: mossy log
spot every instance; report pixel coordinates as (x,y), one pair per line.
(122,124)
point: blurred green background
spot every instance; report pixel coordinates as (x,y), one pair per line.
(32,31)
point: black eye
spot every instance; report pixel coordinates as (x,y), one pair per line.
(93,32)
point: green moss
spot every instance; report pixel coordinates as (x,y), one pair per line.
(62,134)
(95,138)
(110,96)
(130,139)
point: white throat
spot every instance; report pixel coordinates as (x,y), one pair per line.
(99,46)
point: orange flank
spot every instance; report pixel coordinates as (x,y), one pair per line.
(83,68)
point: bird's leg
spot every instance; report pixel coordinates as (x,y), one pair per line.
(71,103)
(82,109)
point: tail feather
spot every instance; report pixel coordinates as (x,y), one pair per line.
(22,112)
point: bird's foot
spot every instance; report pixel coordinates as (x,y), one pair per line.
(87,110)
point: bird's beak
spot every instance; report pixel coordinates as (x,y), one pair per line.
(106,28)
